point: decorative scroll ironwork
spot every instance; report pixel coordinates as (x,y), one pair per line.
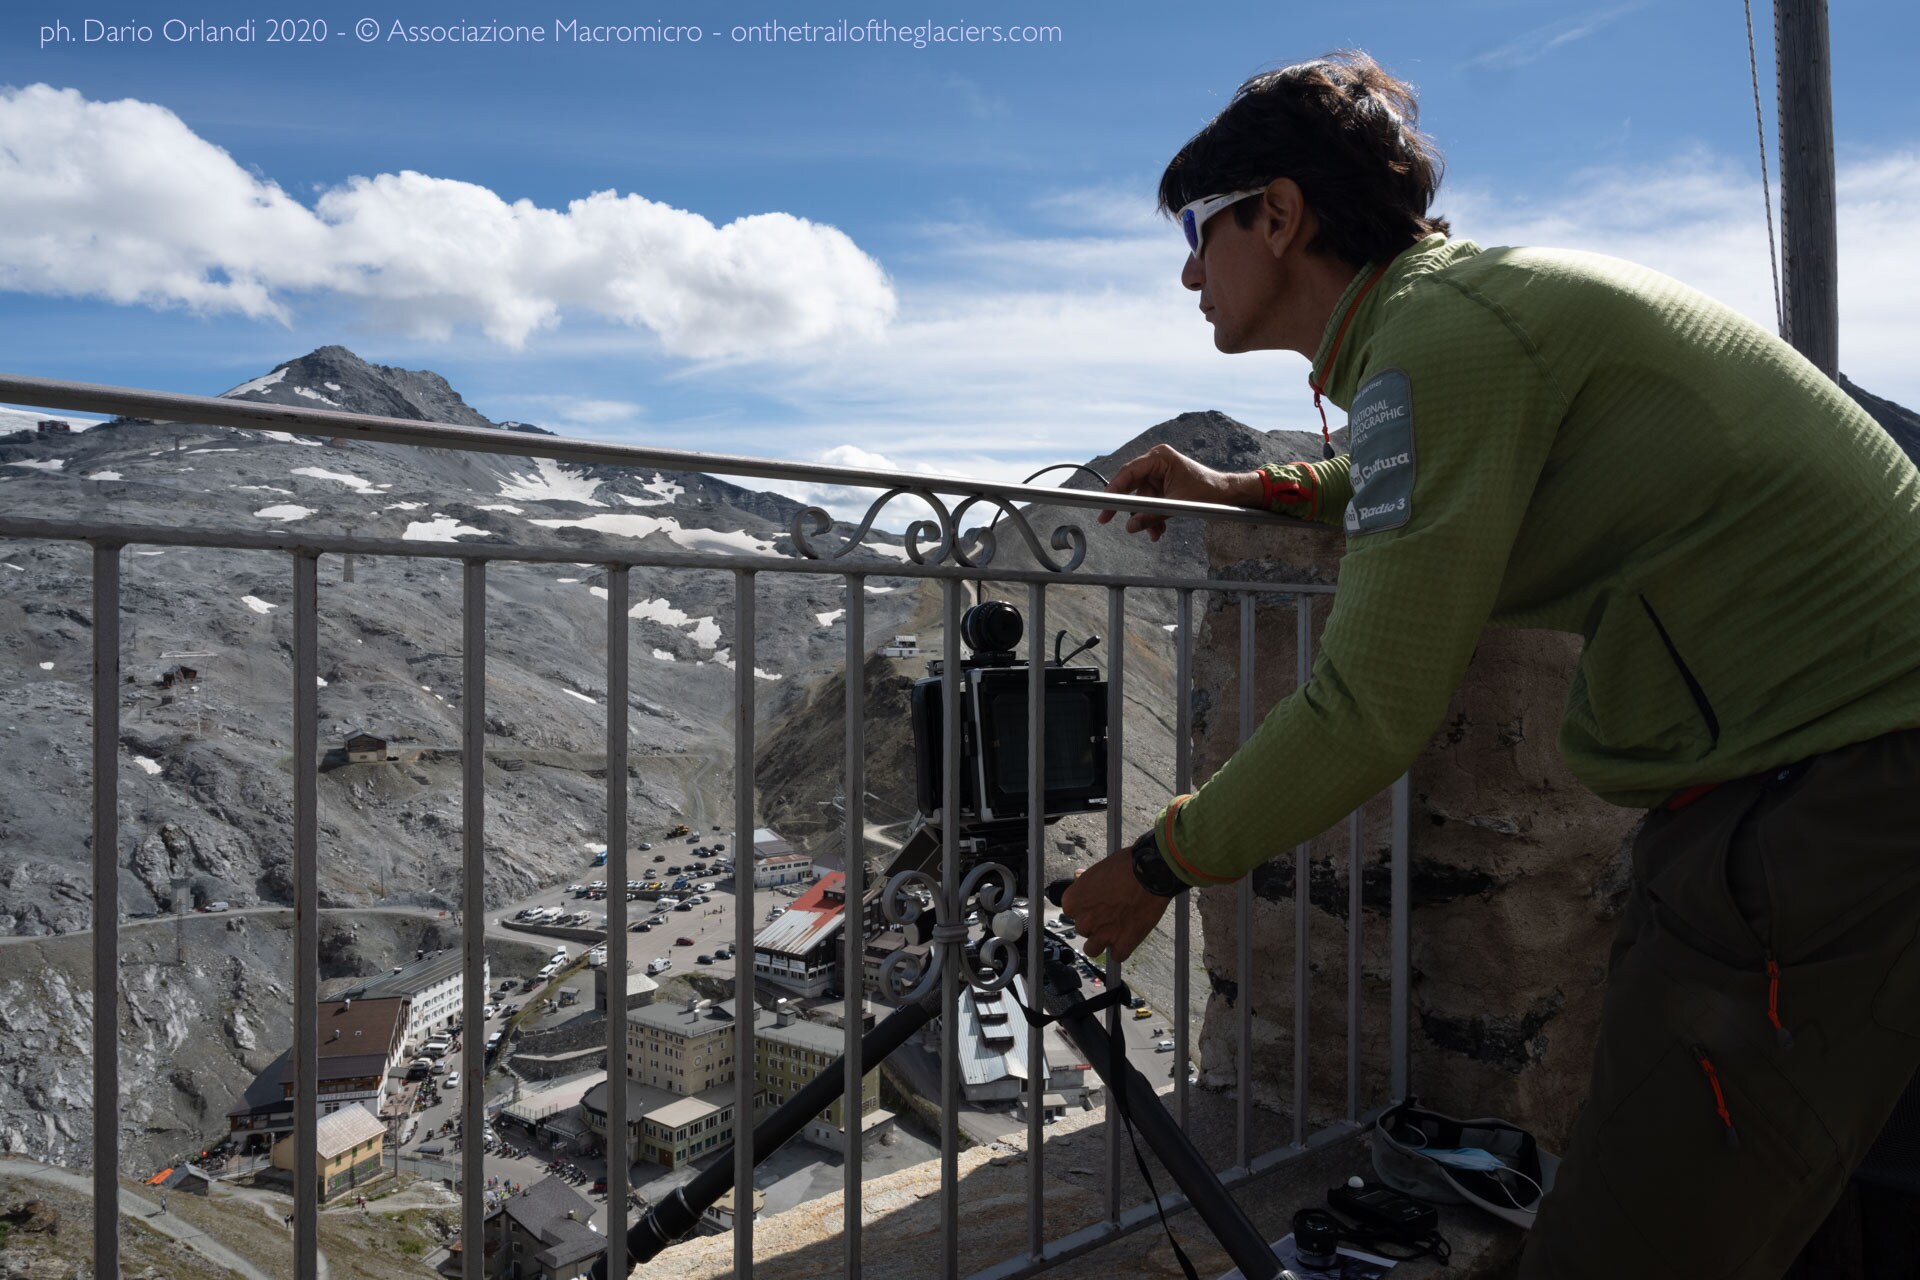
(811,522)
(904,976)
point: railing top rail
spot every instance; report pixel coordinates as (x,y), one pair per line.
(92,397)
(102,534)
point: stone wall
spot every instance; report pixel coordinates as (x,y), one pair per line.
(1518,874)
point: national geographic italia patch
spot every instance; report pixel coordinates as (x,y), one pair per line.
(1380,437)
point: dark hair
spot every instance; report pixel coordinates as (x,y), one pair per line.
(1343,129)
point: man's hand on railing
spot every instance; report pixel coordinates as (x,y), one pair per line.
(1164,472)
(1110,908)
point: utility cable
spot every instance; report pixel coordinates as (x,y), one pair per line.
(1766,187)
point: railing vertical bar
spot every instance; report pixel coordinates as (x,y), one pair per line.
(1400,1041)
(1353,966)
(854,972)
(1183,904)
(1302,899)
(1116,839)
(106,911)
(950,933)
(306,914)
(1036,912)
(473,909)
(743,984)
(1243,968)
(619,1154)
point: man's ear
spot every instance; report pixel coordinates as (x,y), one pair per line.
(1284,216)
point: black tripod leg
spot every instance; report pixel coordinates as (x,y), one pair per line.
(1215,1205)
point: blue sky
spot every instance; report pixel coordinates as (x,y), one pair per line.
(995,291)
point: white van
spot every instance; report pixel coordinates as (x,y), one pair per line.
(659,964)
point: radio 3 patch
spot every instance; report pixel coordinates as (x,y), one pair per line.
(1380,439)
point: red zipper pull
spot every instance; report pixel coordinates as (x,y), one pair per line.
(1781,1036)
(1719,1098)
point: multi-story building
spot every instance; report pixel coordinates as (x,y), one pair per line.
(663,1127)
(788,1053)
(993,1053)
(361,1046)
(542,1232)
(800,949)
(433,987)
(781,868)
(684,1048)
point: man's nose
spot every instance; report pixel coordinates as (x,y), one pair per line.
(1192,274)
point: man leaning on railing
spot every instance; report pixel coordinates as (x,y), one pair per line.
(1541,438)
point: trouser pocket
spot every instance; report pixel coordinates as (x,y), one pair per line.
(1706,1157)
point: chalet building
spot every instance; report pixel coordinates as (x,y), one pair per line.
(350,1145)
(365,748)
(362,1043)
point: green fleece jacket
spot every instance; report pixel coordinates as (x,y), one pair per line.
(1561,440)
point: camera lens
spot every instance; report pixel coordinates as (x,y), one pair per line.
(993,626)
(1316,1239)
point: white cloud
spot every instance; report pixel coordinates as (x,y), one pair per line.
(121,200)
(1075,344)
(1536,44)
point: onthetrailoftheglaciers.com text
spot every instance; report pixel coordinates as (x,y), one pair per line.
(561,31)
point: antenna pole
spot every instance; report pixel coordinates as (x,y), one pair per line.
(1809,244)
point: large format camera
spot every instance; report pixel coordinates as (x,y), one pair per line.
(993,730)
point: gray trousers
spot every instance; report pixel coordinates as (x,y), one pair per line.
(1761,1019)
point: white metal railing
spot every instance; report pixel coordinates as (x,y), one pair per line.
(954,561)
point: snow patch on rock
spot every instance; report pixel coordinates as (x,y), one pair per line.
(258,384)
(443,529)
(285,511)
(551,482)
(352,482)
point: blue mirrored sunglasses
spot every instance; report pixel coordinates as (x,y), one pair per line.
(1193,218)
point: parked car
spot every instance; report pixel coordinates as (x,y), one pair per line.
(1142,1012)
(685,906)
(219,906)
(1163,1046)
(705,886)
(452,1081)
(683,941)
(643,927)
(659,857)
(659,964)
(645,845)
(703,959)
(723,953)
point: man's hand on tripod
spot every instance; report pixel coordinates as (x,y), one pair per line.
(1110,909)
(1164,472)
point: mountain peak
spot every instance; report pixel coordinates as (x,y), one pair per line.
(332,377)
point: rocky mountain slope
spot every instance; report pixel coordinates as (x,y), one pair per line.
(206,705)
